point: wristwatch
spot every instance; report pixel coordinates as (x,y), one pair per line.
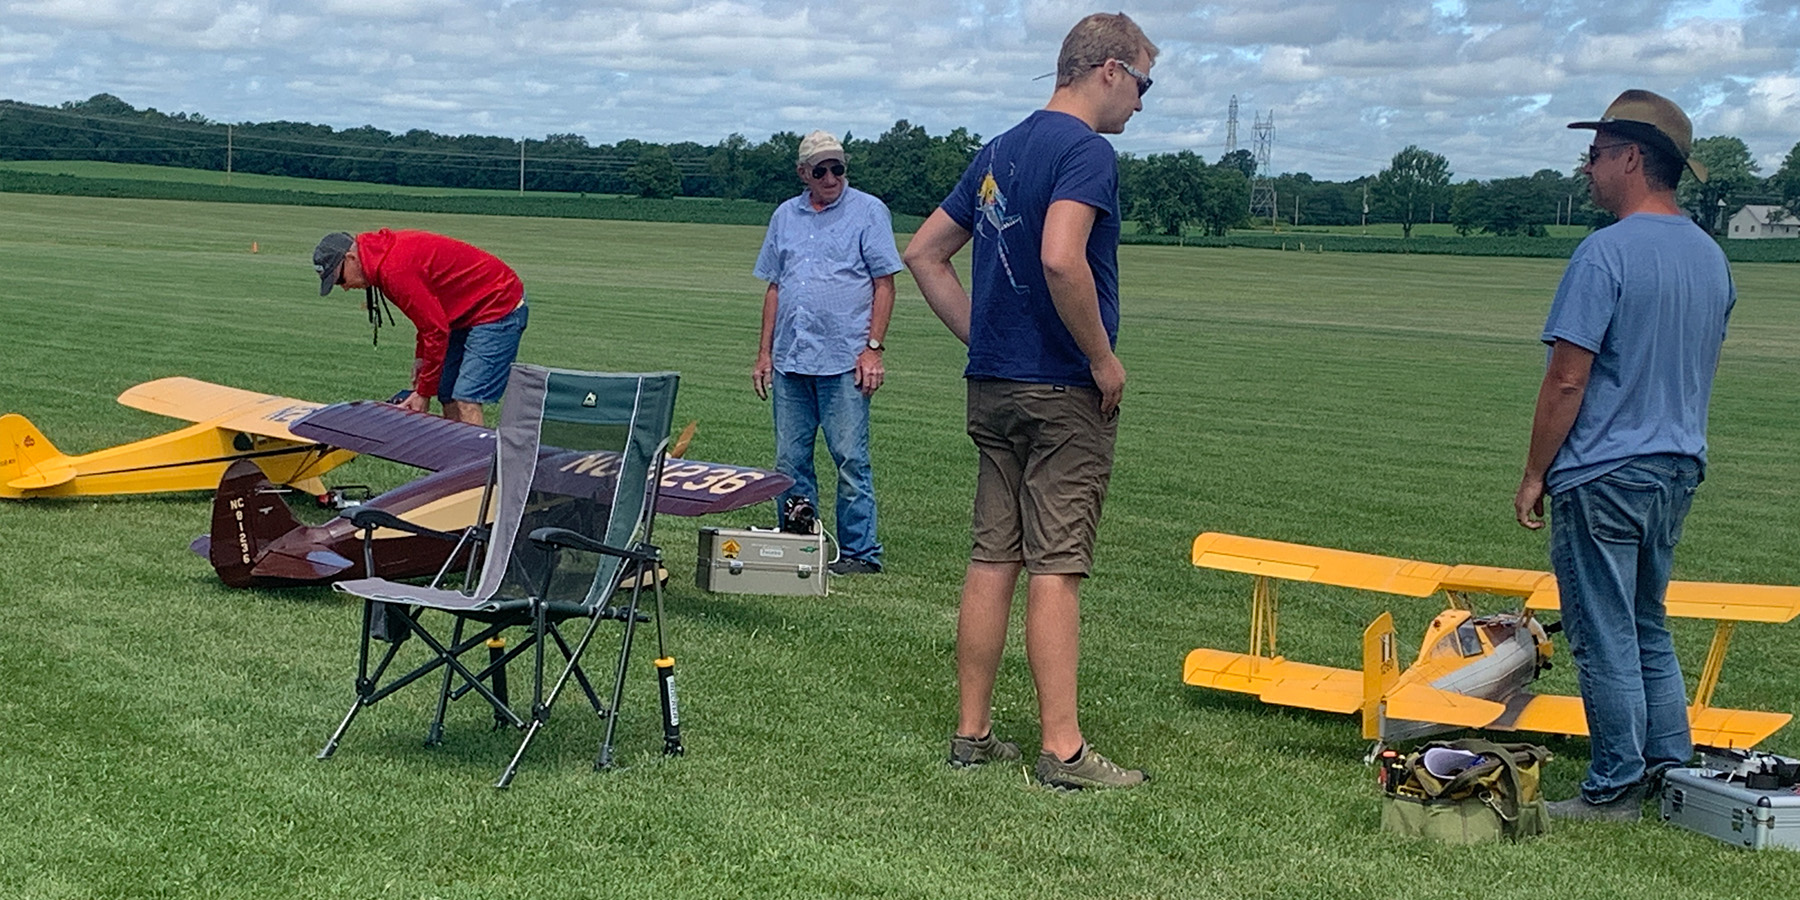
(876,345)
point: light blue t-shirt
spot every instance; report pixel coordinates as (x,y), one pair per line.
(824,264)
(1650,297)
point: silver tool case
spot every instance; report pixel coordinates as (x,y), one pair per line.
(755,561)
(1713,802)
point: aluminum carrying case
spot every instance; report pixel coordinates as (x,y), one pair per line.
(1709,800)
(758,561)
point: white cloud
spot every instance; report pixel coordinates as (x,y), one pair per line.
(1695,46)
(1350,81)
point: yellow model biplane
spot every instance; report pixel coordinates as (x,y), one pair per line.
(229,424)
(1472,669)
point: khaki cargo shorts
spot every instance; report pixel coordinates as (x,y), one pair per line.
(1045,459)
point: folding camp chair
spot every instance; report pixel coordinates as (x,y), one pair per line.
(573,498)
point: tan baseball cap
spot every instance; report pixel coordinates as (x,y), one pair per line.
(819,146)
(1654,119)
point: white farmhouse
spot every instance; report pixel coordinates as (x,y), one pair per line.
(1755,222)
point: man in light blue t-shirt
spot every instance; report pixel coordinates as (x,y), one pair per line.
(829,258)
(1618,442)
(1039,207)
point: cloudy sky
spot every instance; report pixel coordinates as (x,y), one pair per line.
(1487,83)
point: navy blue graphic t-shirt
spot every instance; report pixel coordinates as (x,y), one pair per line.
(1014,331)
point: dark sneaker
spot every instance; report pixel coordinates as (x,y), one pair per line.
(1090,770)
(967,752)
(848,566)
(1627,807)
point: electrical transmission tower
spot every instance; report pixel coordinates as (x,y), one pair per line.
(1262,189)
(1231,127)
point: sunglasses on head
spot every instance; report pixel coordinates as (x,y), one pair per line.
(836,168)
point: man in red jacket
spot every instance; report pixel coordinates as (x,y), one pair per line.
(467,305)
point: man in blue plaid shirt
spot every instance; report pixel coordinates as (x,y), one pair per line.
(829,259)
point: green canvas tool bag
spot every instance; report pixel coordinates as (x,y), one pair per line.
(1495,796)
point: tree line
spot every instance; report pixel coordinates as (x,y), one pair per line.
(906,166)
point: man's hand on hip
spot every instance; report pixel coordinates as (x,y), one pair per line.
(869,372)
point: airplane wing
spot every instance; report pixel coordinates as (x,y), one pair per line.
(1301,562)
(1496,580)
(1276,680)
(689,487)
(1707,600)
(400,435)
(233,409)
(1733,728)
(1712,726)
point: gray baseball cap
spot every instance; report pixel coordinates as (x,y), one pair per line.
(328,259)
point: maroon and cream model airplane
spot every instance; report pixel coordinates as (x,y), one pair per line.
(256,539)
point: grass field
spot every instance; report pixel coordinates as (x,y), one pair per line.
(160,727)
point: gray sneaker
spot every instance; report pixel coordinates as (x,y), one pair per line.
(1089,770)
(1627,807)
(969,752)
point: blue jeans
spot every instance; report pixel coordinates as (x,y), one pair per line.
(478,360)
(803,405)
(1611,542)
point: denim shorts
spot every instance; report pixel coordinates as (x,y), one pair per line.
(478,360)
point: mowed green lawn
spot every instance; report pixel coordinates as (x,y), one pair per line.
(159,728)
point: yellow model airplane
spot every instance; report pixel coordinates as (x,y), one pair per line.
(1472,670)
(230,424)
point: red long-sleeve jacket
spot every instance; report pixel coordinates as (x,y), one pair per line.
(442,285)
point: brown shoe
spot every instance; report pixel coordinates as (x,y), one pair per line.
(1089,770)
(966,752)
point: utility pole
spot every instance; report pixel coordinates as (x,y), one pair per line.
(1365,219)
(228,152)
(521,167)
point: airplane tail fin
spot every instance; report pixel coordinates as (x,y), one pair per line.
(248,514)
(27,457)
(1381,668)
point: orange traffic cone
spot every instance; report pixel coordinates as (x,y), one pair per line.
(254,248)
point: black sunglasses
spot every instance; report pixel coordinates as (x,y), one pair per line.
(835,169)
(1594,150)
(1143,81)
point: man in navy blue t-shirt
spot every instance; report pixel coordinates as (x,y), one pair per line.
(1040,205)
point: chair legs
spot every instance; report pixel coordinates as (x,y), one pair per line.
(331,743)
(370,689)
(490,681)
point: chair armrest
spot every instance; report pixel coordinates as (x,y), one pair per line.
(553,538)
(366,519)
